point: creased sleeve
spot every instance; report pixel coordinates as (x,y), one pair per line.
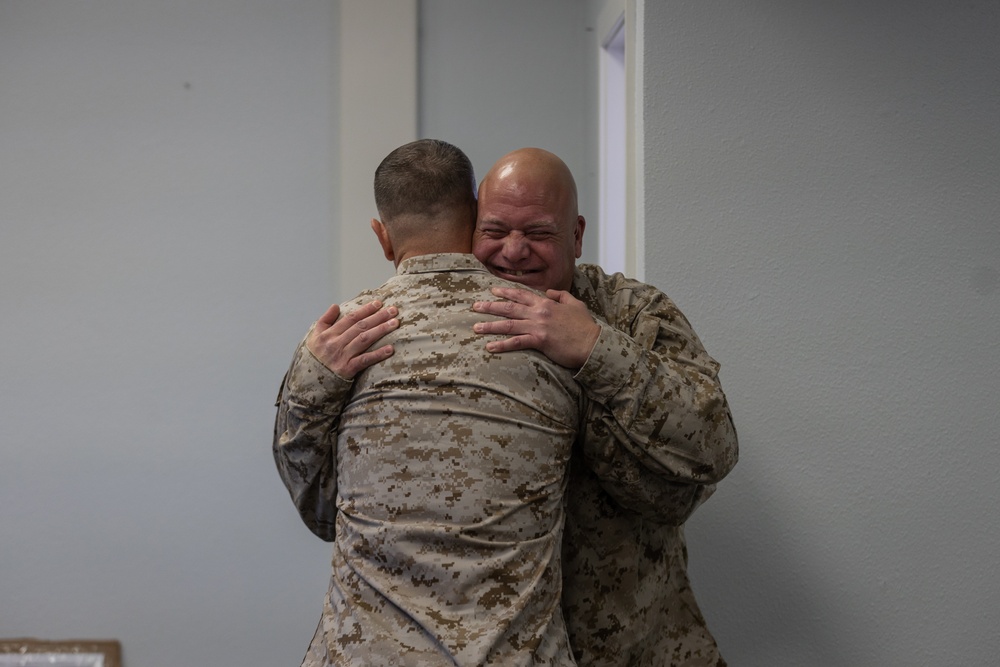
(659,433)
(305,439)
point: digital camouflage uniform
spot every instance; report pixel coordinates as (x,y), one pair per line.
(441,482)
(658,435)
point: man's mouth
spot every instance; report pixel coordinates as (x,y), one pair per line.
(518,273)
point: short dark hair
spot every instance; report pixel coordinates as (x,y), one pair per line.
(424,177)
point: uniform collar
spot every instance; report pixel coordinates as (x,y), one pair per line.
(448,261)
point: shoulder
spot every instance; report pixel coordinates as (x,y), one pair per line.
(625,303)
(608,295)
(591,277)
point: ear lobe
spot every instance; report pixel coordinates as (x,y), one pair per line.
(383,239)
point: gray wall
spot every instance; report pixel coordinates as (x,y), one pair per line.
(168,199)
(165,217)
(496,76)
(822,201)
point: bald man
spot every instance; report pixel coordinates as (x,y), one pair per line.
(659,433)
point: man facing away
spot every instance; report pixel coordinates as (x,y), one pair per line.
(441,480)
(658,432)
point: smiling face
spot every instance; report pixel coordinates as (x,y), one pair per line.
(528,229)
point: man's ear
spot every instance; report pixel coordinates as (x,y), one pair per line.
(581,224)
(383,238)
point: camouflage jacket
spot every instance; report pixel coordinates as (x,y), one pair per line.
(658,435)
(441,481)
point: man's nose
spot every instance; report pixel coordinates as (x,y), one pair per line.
(515,248)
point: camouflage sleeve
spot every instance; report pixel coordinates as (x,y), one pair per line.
(305,439)
(659,432)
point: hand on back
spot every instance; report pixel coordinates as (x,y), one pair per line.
(558,325)
(344,344)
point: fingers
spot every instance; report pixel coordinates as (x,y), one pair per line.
(507,327)
(366,317)
(524,306)
(558,325)
(517,295)
(522,312)
(357,331)
(361,338)
(516,323)
(562,296)
(363,361)
(342,344)
(501,308)
(510,344)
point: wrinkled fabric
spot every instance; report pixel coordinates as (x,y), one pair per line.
(441,481)
(658,436)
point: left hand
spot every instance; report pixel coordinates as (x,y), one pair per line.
(558,325)
(343,344)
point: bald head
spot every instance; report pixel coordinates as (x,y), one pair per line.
(534,170)
(529,229)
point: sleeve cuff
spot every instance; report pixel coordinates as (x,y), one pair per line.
(313,384)
(610,365)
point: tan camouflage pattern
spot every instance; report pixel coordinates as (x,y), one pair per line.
(658,436)
(305,439)
(448,471)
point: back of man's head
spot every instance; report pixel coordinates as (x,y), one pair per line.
(425,179)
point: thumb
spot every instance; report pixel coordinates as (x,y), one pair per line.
(328,318)
(562,296)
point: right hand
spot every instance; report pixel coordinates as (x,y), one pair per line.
(342,344)
(558,325)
